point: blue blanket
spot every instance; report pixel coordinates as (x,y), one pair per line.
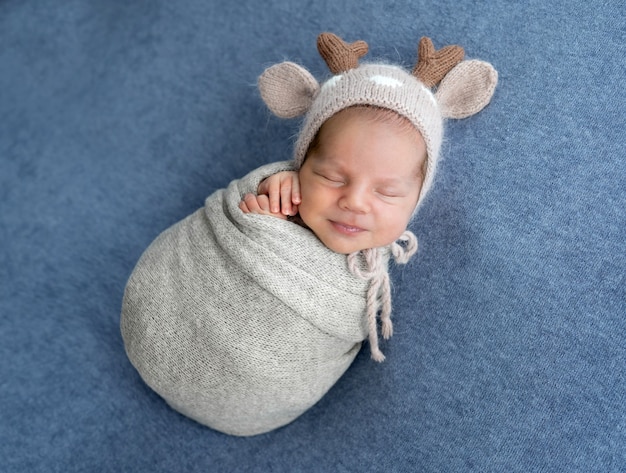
(118,118)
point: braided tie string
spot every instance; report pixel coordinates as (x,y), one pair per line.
(379,290)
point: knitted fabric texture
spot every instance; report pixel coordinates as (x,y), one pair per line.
(241,321)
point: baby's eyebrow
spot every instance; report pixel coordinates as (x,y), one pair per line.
(395,181)
(325,164)
(324,159)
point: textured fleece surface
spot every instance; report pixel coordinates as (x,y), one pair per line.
(118,118)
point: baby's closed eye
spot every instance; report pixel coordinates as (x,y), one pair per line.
(391,192)
(331,178)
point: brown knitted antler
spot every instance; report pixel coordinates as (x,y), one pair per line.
(432,65)
(339,55)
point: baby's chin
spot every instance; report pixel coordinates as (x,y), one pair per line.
(347,248)
(340,247)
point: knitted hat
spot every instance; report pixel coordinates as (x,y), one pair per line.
(289,90)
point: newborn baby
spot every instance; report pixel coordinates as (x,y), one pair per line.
(241,320)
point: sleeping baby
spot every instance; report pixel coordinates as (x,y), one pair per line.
(245,313)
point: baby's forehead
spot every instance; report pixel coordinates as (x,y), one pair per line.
(373,119)
(372,114)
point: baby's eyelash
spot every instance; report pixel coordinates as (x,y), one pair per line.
(389,192)
(335,179)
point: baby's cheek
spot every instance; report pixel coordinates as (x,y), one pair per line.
(305,212)
(401,220)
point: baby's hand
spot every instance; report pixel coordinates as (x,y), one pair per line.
(283,190)
(258,204)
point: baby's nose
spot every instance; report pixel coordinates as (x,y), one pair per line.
(355,199)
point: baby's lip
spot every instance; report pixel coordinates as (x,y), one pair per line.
(346,228)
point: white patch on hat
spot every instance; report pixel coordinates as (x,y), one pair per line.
(429,94)
(386,81)
(332,81)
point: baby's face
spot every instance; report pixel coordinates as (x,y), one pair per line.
(361,184)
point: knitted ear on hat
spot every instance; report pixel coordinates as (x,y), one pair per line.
(288,89)
(466,89)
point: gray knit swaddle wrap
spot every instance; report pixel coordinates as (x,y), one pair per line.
(240,321)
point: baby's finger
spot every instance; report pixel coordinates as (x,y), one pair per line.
(263,188)
(244,207)
(263,202)
(251,201)
(296,197)
(273,192)
(285,198)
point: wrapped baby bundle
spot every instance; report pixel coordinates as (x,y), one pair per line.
(241,321)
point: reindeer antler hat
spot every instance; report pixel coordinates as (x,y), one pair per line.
(465,88)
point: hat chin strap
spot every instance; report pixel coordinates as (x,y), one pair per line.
(379,290)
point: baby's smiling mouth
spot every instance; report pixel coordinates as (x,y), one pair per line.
(345,228)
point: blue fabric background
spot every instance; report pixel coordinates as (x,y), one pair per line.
(118,118)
